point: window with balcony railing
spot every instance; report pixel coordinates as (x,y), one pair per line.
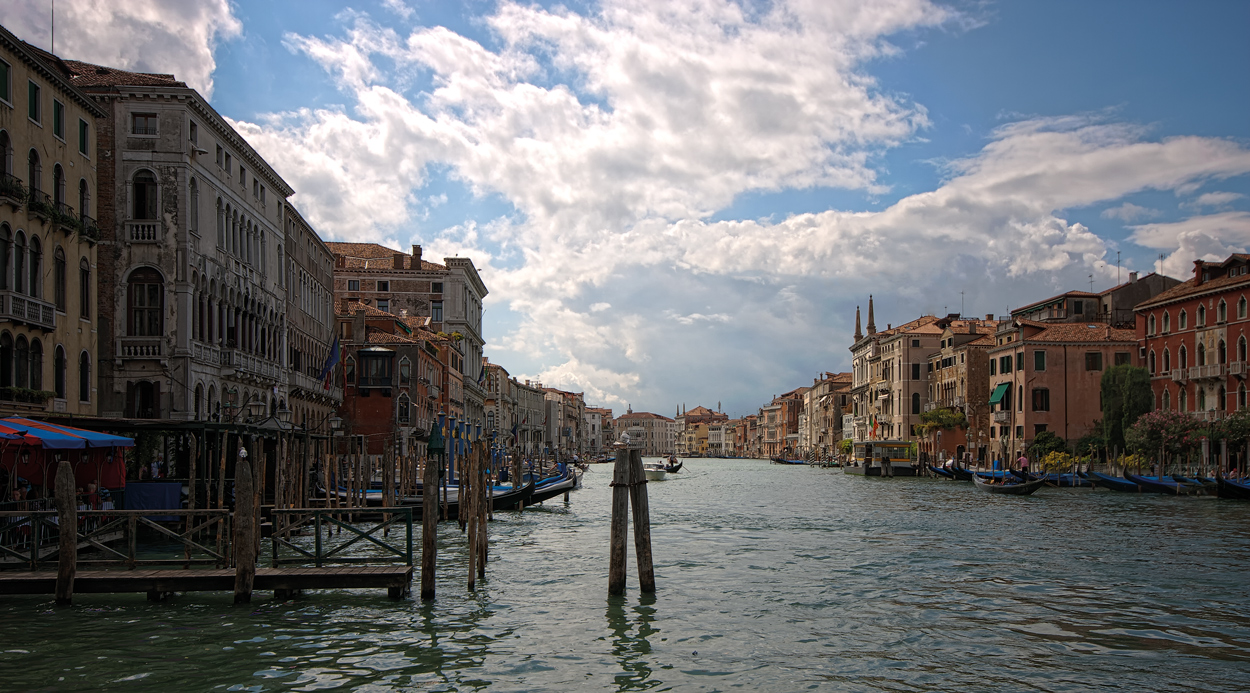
(143,124)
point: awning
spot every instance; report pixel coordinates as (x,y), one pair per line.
(999,393)
(57,437)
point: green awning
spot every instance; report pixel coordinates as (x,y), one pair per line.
(999,392)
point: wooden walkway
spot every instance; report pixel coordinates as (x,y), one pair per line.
(156,583)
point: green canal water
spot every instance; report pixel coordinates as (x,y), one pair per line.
(772,578)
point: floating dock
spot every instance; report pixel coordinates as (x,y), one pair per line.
(156,583)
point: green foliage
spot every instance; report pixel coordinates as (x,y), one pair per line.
(844,446)
(942,418)
(1126,395)
(1235,428)
(25,394)
(1090,444)
(1169,431)
(1045,443)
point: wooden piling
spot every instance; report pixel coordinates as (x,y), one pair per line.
(642,522)
(67,524)
(429,527)
(244,532)
(621,478)
(483,511)
(468,509)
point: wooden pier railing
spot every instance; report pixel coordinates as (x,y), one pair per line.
(30,538)
(322,520)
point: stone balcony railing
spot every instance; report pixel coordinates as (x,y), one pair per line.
(1002,417)
(1180,375)
(1237,368)
(1209,415)
(248,365)
(143,231)
(206,353)
(32,311)
(140,347)
(312,385)
(1207,372)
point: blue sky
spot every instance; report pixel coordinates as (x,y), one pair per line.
(684,203)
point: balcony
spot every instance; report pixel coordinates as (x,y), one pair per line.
(1002,417)
(32,311)
(1237,368)
(248,366)
(140,347)
(205,353)
(1209,415)
(143,231)
(1210,371)
(12,192)
(433,391)
(39,205)
(1180,375)
(88,228)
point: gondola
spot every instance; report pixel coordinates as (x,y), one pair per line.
(961,474)
(1232,488)
(1114,483)
(942,471)
(509,499)
(555,488)
(1065,480)
(1022,488)
(1165,485)
(673,466)
(782,460)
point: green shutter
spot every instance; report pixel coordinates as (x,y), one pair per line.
(999,392)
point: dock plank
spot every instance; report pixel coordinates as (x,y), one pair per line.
(210,580)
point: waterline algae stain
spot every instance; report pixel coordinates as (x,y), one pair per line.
(777,578)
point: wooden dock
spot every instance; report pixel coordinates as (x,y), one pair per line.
(156,583)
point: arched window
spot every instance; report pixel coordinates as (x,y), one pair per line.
(1183,357)
(58,372)
(1182,320)
(21,362)
(1219,403)
(19,263)
(1221,353)
(84,289)
(221,224)
(36,364)
(193,214)
(59,278)
(1221,312)
(1167,322)
(144,196)
(1167,360)
(145,291)
(6,154)
(58,185)
(1152,324)
(1202,399)
(1241,308)
(36,271)
(1167,400)
(34,171)
(405,372)
(1241,396)
(199,402)
(6,252)
(1202,354)
(84,198)
(1152,362)
(1241,348)
(915,403)
(6,359)
(349,370)
(84,377)
(403,407)
(1181,397)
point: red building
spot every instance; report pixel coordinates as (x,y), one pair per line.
(1192,339)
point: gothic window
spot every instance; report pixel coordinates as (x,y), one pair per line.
(84,377)
(1241,307)
(36,364)
(403,409)
(36,262)
(58,372)
(84,198)
(21,362)
(84,289)
(1182,320)
(1167,323)
(34,171)
(6,359)
(59,271)
(1221,311)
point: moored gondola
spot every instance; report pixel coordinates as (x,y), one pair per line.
(1022,488)
(1114,483)
(1233,488)
(1165,485)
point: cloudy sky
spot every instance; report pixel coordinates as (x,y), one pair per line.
(684,202)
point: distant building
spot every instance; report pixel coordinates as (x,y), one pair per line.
(657,433)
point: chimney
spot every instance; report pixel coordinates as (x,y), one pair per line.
(399,261)
(859,334)
(989,317)
(1132,277)
(343,307)
(1199,265)
(340,261)
(872,323)
(416,257)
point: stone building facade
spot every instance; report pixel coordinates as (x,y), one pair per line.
(48,237)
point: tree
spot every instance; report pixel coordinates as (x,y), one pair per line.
(1045,443)
(1171,432)
(1126,395)
(943,418)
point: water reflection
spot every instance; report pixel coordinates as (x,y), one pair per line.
(630,645)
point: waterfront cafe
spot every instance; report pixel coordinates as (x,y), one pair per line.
(31,450)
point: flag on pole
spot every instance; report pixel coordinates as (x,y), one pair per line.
(481,376)
(331,361)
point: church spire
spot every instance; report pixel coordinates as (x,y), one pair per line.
(872,323)
(859,334)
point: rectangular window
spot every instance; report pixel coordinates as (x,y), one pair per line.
(84,137)
(915,342)
(915,371)
(58,119)
(1020,360)
(436,311)
(1039,360)
(384,305)
(221,157)
(32,102)
(992,431)
(436,288)
(6,83)
(229,165)
(1123,358)
(384,286)
(262,196)
(1019,431)
(1093,360)
(1038,428)
(242,177)
(1041,399)
(255,188)
(353,285)
(193,133)
(1078,307)
(992,364)
(143,124)
(1004,364)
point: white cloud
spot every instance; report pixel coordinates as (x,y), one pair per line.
(399,8)
(169,36)
(616,136)
(1129,212)
(1216,199)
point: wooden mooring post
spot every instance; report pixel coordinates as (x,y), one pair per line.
(629,483)
(67,525)
(245,530)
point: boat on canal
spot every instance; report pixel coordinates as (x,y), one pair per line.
(1232,488)
(554,486)
(881,458)
(1163,484)
(1009,488)
(655,471)
(674,465)
(1114,483)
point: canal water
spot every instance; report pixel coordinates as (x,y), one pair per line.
(770,577)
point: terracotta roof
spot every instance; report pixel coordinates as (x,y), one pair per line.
(642,415)
(376,336)
(1117,287)
(1187,288)
(1083,332)
(89,75)
(358,255)
(699,411)
(370,311)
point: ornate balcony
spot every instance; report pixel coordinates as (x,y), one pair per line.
(140,347)
(1211,371)
(12,192)
(32,311)
(1237,368)
(1002,417)
(1180,375)
(39,205)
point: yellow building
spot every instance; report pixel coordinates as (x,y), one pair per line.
(48,235)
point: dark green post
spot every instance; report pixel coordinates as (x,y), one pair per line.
(429,509)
